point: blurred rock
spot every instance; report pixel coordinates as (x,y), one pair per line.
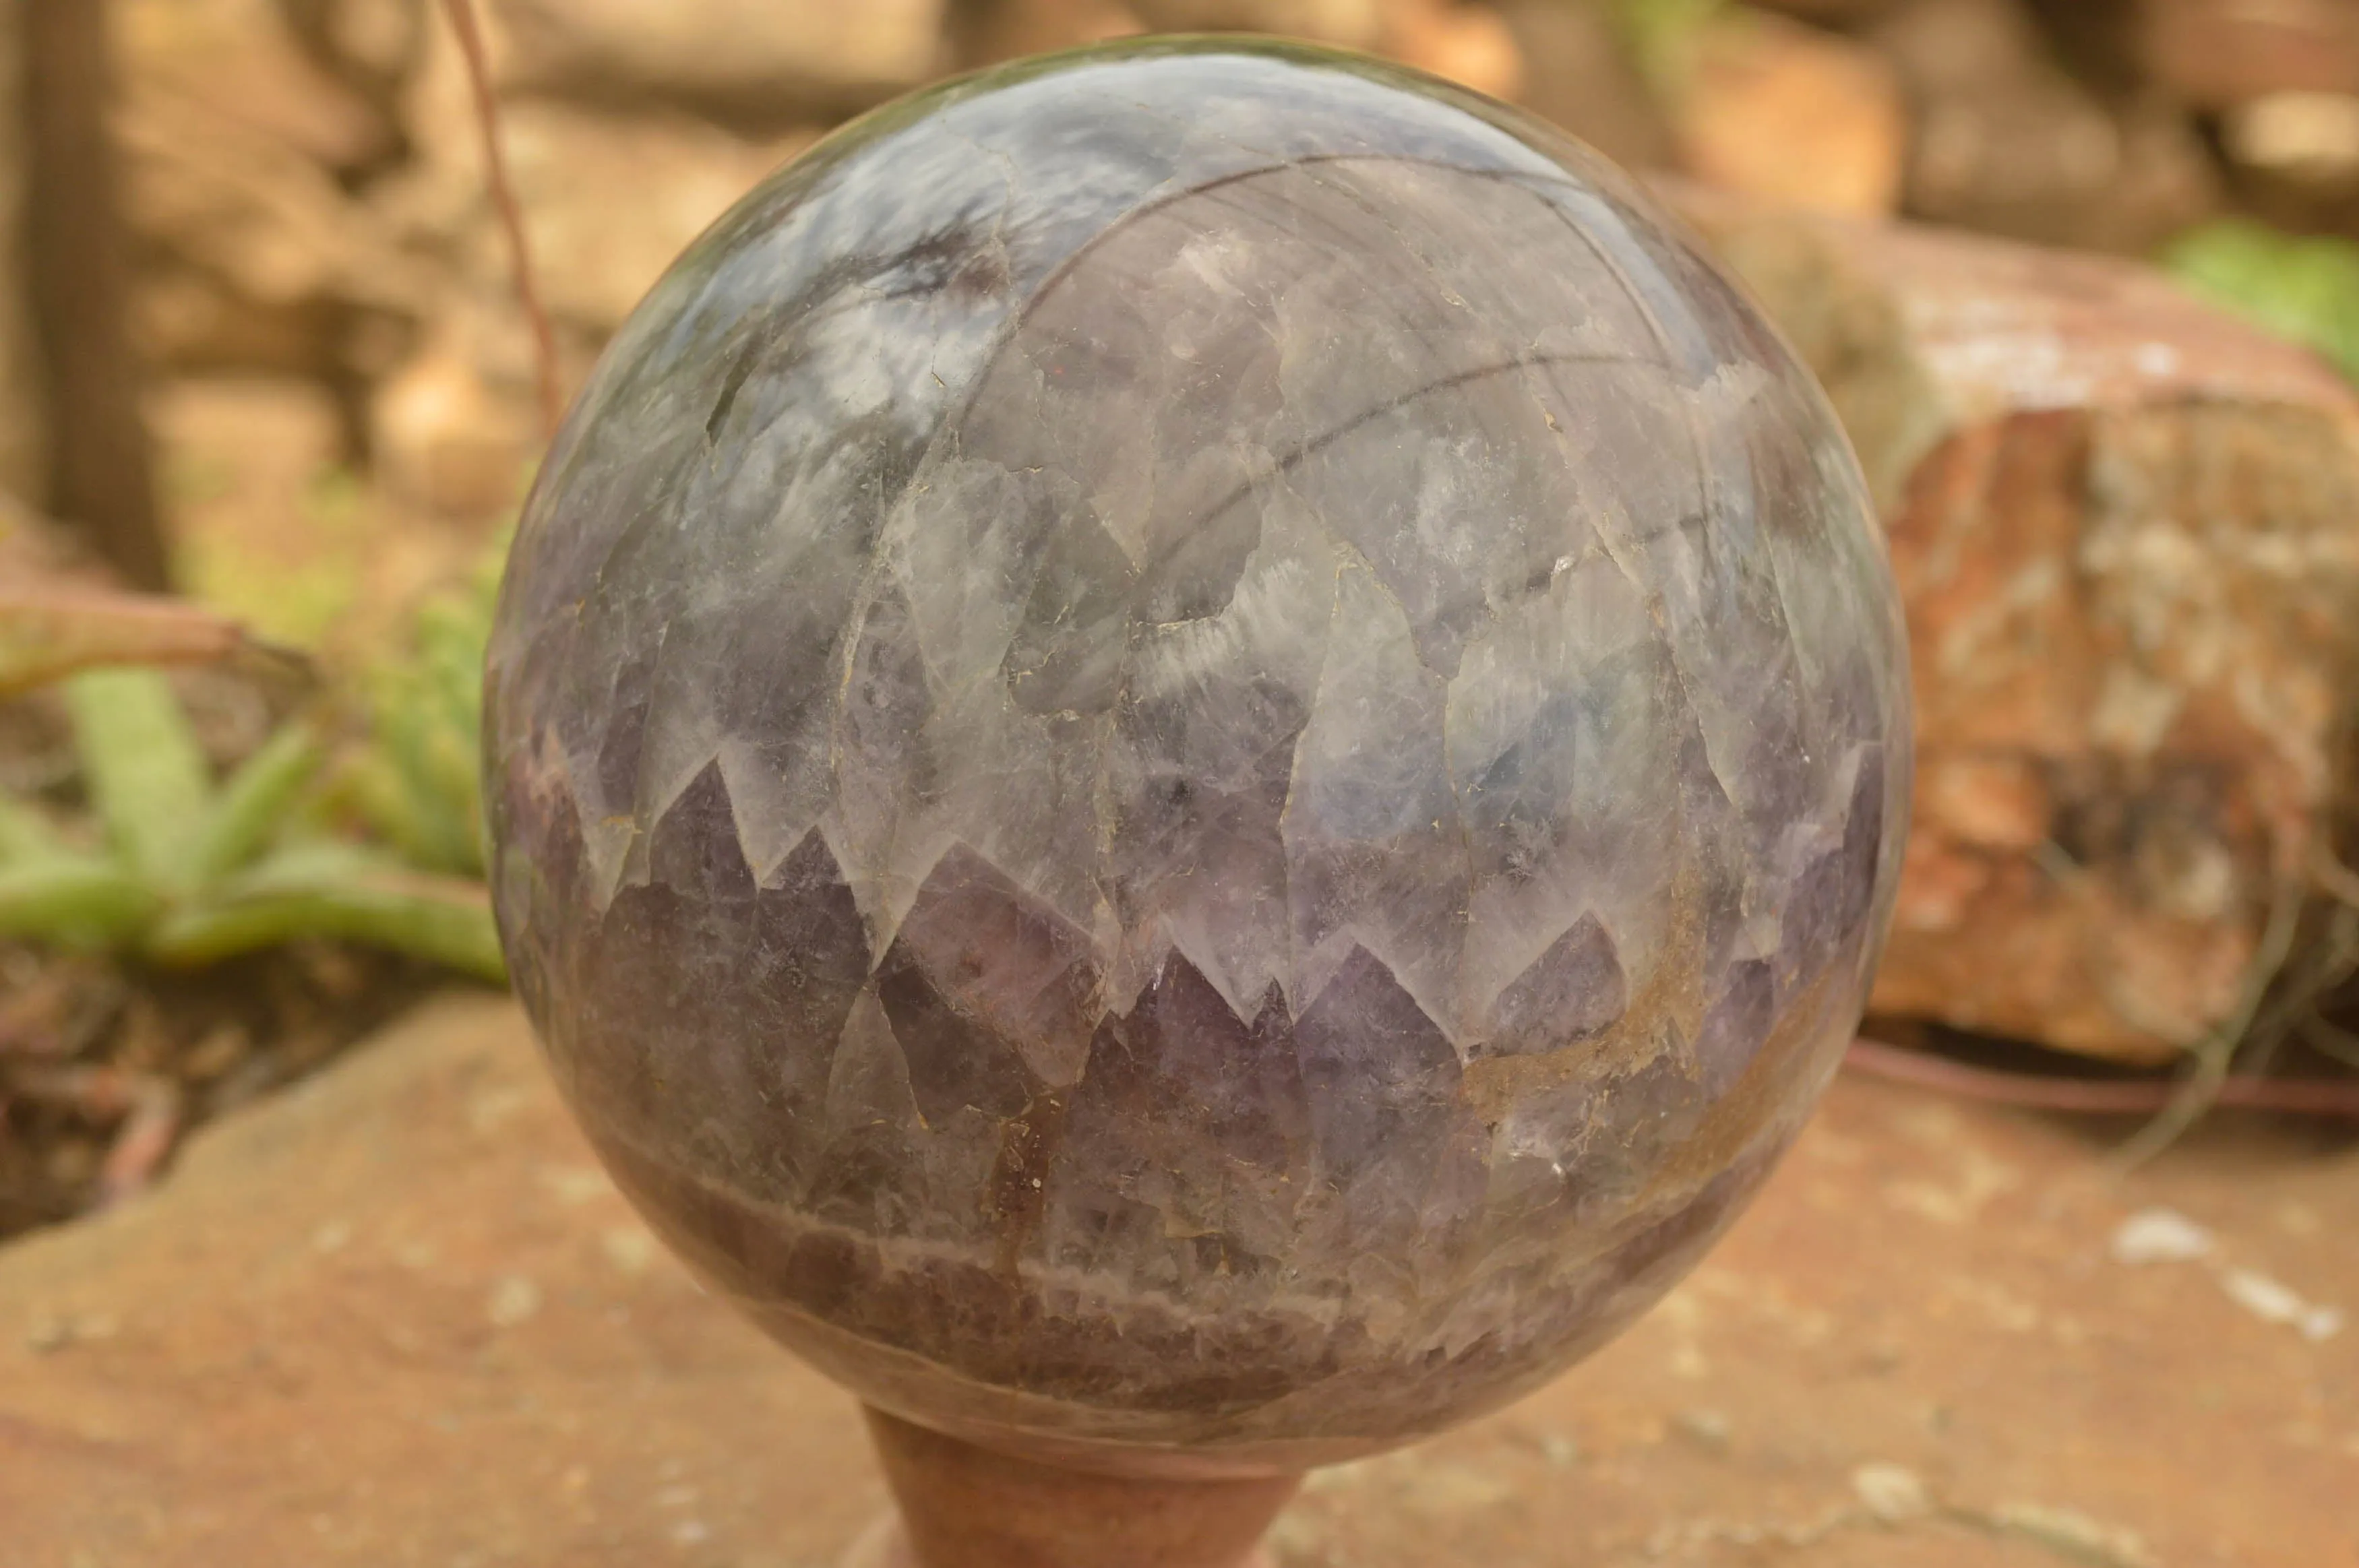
(2277,81)
(2218,53)
(450,438)
(2307,140)
(766,61)
(376,41)
(2009,143)
(1578,73)
(1830,12)
(254,254)
(238,60)
(1793,115)
(610,201)
(984,32)
(1467,42)
(253,258)
(1349,24)
(370,47)
(2293,159)
(2127,532)
(1470,45)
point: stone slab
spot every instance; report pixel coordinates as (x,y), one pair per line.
(397,1316)
(2121,522)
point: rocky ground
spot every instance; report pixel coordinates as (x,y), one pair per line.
(398,1316)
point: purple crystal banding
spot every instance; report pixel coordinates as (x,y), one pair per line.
(1195,750)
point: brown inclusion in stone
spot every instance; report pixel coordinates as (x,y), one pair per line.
(1194,753)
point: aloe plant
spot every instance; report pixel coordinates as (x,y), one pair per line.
(417,783)
(191,871)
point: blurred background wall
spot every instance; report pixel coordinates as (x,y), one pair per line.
(306,201)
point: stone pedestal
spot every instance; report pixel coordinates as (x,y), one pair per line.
(965,1506)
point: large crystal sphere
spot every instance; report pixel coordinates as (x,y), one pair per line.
(1196,753)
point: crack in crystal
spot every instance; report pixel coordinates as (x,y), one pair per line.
(1147,801)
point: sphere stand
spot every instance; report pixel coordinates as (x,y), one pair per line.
(966,1506)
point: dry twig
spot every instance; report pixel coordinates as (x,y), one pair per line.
(146,1109)
(495,173)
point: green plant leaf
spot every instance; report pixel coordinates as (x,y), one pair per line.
(419,787)
(146,778)
(253,803)
(2303,288)
(444,920)
(26,834)
(304,865)
(81,901)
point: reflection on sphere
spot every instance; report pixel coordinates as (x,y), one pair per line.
(1194,746)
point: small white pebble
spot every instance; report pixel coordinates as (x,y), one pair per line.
(2274,1302)
(630,1251)
(2263,1297)
(1295,1537)
(2073,1533)
(1891,1492)
(57,1331)
(1559,1449)
(1707,1427)
(2160,1236)
(489,1110)
(2157,359)
(691,1532)
(572,1184)
(514,1300)
(1341,1477)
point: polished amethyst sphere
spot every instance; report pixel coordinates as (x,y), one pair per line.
(1196,753)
